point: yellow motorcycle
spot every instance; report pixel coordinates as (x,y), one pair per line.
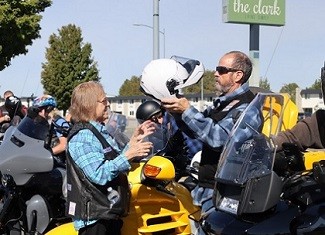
(280,109)
(159,204)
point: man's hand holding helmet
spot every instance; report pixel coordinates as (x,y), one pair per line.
(175,105)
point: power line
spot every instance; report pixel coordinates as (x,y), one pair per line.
(276,46)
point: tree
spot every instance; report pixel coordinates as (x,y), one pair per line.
(317,84)
(290,88)
(130,87)
(208,84)
(264,83)
(19,26)
(69,63)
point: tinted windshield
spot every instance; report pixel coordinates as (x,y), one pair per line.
(246,158)
(37,128)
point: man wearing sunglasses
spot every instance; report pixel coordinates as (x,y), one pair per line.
(213,125)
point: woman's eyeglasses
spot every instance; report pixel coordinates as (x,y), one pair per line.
(103,101)
(224,70)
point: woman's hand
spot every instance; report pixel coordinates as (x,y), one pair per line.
(137,146)
(140,149)
(142,131)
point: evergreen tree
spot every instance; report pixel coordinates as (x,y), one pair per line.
(69,63)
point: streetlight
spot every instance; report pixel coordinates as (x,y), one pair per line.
(162,32)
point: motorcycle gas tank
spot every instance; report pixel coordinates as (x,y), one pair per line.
(22,156)
(293,221)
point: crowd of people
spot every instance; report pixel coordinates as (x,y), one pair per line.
(96,161)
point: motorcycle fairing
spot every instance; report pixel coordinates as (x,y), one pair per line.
(22,155)
(245,182)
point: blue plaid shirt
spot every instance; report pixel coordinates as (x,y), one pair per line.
(87,152)
(194,145)
(216,134)
(209,132)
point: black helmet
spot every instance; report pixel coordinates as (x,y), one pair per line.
(147,109)
(13,106)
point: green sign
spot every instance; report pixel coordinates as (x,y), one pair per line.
(263,12)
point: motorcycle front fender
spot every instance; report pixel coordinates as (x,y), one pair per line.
(66,229)
(219,222)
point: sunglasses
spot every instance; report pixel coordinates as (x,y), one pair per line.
(224,70)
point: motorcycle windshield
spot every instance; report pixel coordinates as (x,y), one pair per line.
(159,138)
(117,126)
(243,159)
(37,128)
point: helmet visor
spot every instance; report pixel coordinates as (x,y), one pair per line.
(194,68)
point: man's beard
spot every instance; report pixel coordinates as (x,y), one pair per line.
(220,89)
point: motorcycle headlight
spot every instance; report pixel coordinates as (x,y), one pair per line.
(228,204)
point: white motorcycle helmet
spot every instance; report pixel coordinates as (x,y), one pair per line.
(163,78)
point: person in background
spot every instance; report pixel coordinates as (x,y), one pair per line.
(309,132)
(152,110)
(213,125)
(60,128)
(4,117)
(14,106)
(43,112)
(12,111)
(85,155)
(175,142)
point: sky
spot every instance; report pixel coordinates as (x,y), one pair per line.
(293,53)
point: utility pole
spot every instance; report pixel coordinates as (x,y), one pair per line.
(254,54)
(156,29)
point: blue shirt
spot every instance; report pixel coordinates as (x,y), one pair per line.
(215,134)
(194,145)
(60,126)
(87,152)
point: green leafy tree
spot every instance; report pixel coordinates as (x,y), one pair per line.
(317,84)
(130,87)
(290,88)
(68,64)
(19,26)
(264,83)
(208,84)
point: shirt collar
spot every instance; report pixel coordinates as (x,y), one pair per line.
(240,90)
(99,126)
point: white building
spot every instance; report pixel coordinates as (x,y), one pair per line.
(309,100)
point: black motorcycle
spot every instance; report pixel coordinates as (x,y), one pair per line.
(259,191)
(31,200)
